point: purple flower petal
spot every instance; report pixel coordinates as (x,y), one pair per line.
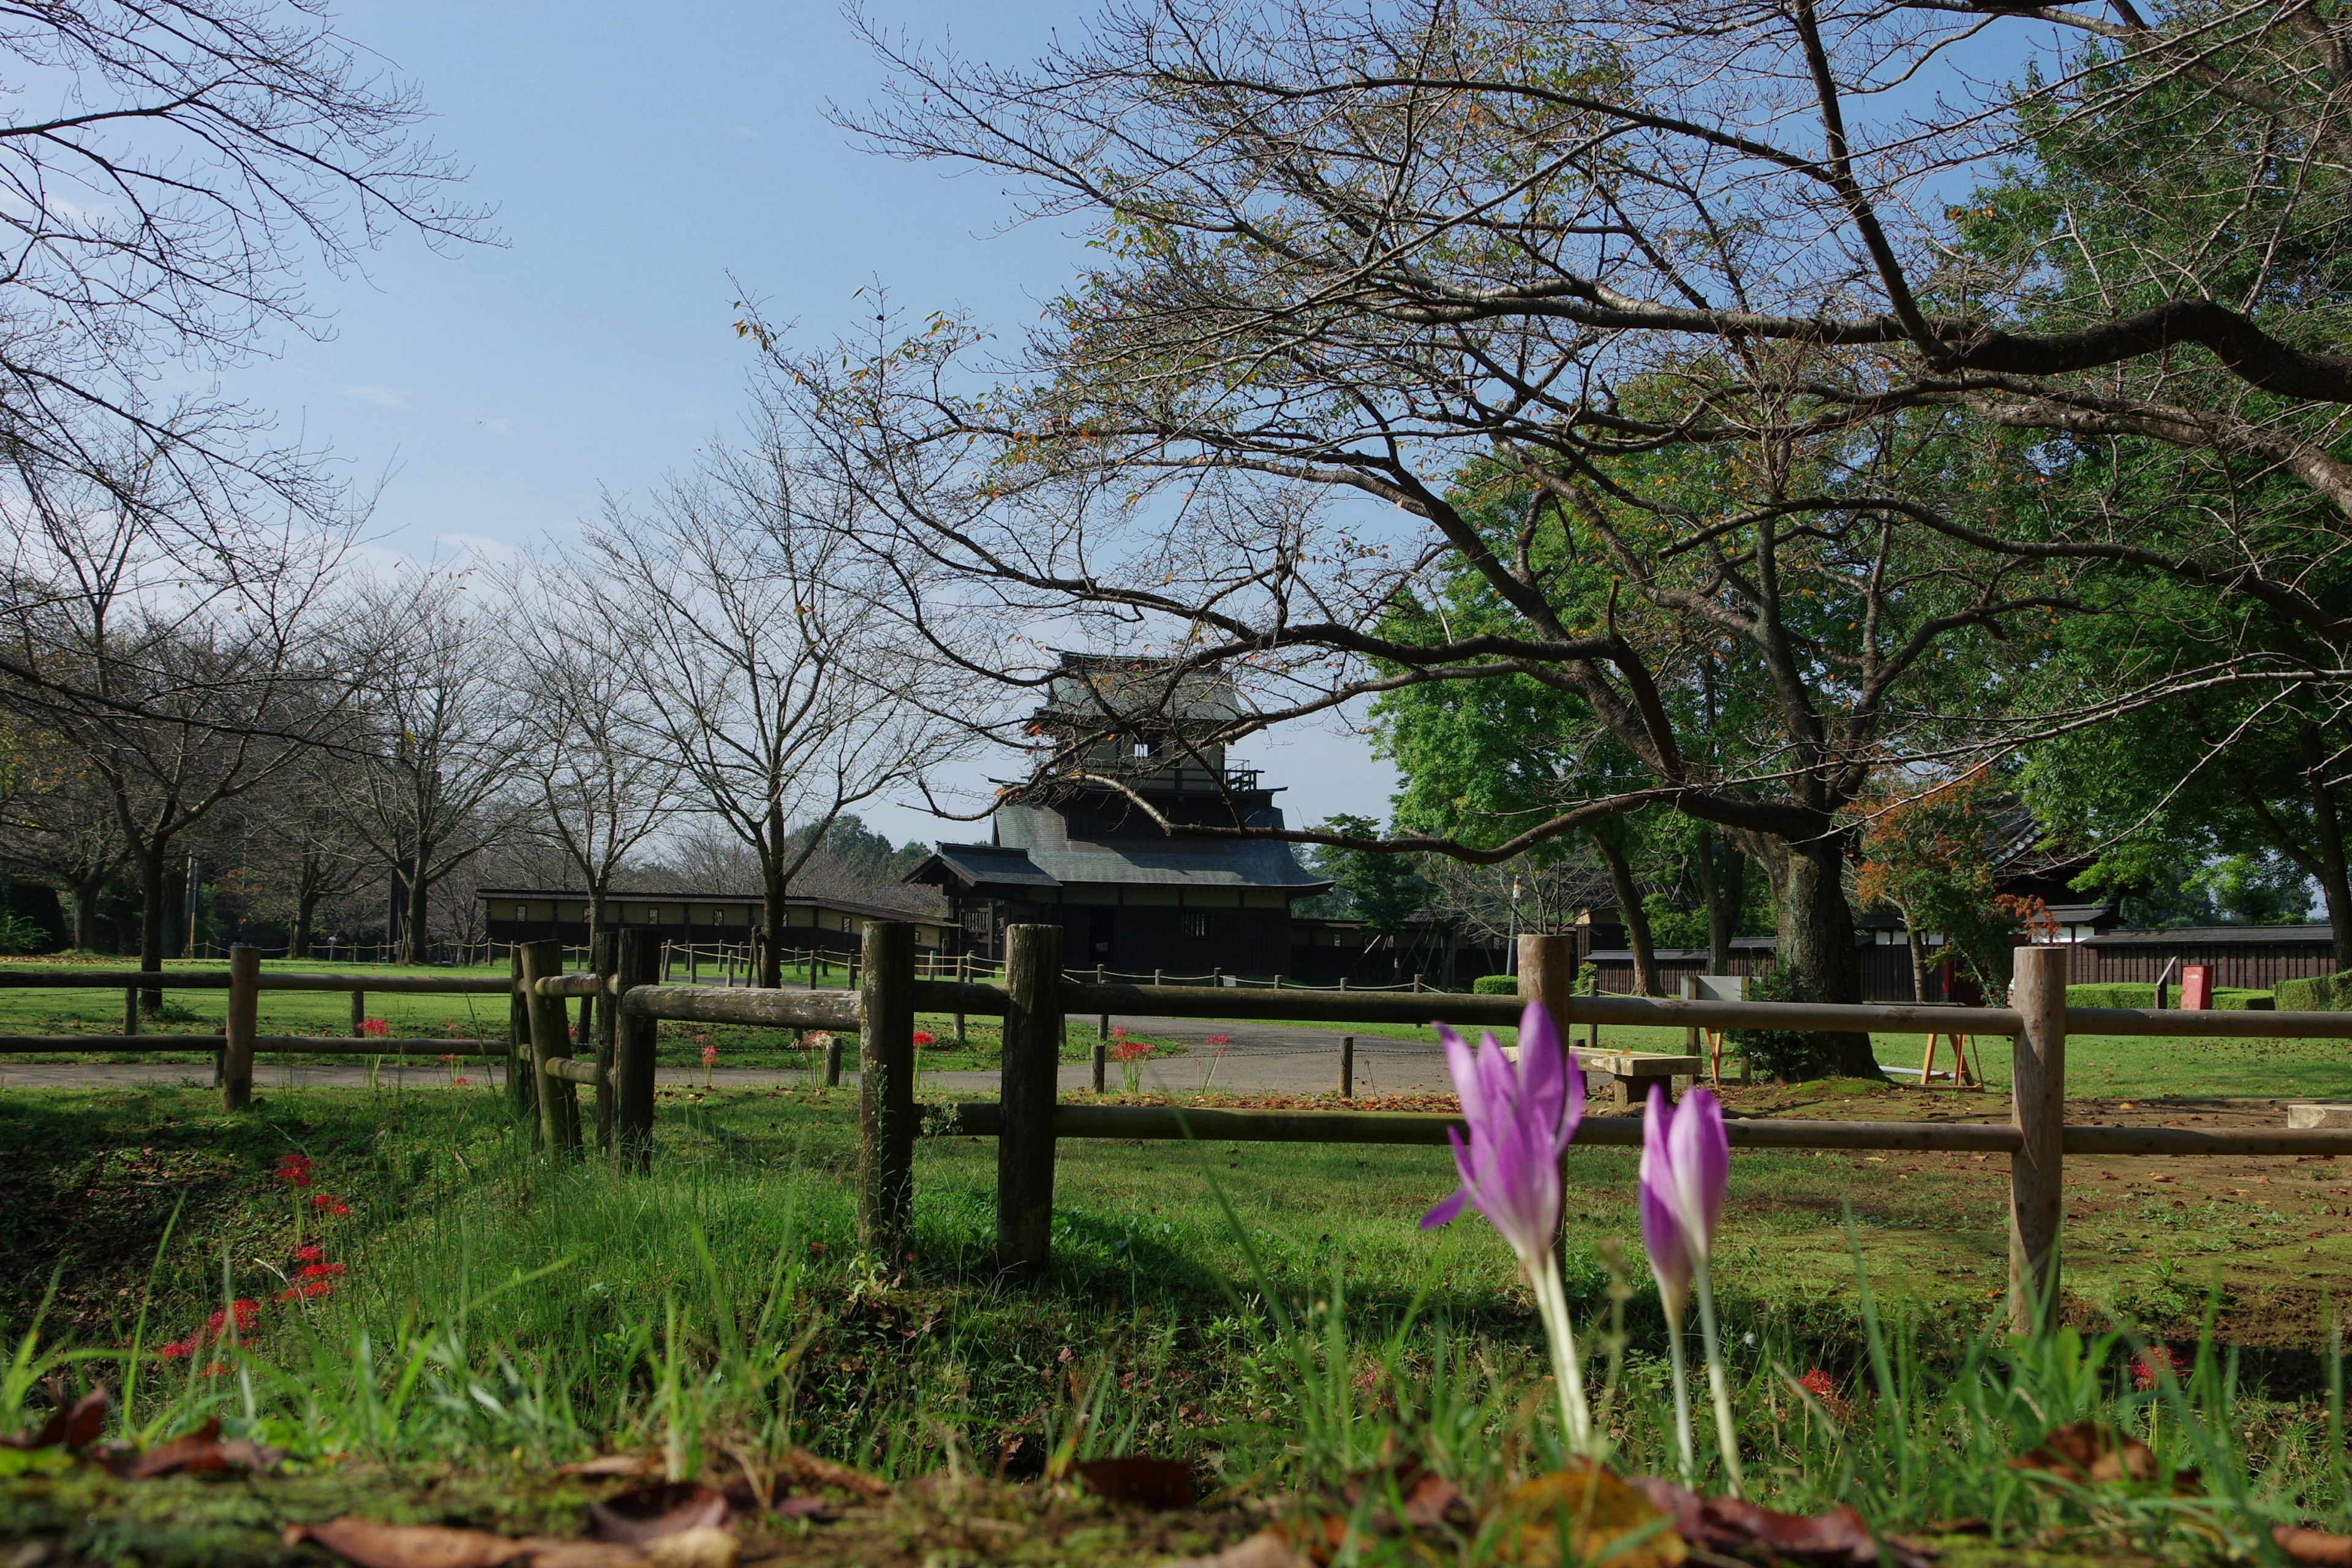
(1662,1231)
(1699,1151)
(1447,1212)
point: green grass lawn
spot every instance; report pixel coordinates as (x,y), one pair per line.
(498,1313)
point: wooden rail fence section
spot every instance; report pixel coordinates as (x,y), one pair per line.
(612,1050)
(1035,996)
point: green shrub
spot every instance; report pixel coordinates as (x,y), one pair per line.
(2226,999)
(1495,985)
(1787,1055)
(2319,994)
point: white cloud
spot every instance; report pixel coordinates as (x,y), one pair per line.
(382,395)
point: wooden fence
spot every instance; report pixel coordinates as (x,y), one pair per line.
(1035,996)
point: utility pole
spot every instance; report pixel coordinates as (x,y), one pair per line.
(1511,947)
(196,870)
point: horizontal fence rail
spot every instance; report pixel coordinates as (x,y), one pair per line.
(1210,1125)
(283,1044)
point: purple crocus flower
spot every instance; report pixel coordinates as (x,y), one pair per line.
(1686,1167)
(1521,1118)
(1662,1227)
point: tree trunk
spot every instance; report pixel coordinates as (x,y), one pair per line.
(1816,945)
(1918,946)
(152,862)
(85,911)
(596,917)
(412,931)
(1637,919)
(2334,884)
(1722,913)
(772,922)
(306,909)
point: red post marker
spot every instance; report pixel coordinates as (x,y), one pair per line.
(2196,987)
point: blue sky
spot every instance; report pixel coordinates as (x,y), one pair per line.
(638,157)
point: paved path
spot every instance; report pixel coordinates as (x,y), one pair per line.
(1262,1058)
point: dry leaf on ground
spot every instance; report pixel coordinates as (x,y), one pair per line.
(2090,1451)
(201,1450)
(2315,1548)
(72,1427)
(621,1465)
(373,1545)
(645,1514)
(1164,1484)
(1603,1517)
(809,1469)
(1264,1549)
(1732,1526)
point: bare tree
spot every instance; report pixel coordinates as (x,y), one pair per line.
(57,823)
(1671,384)
(438,784)
(192,690)
(771,675)
(582,706)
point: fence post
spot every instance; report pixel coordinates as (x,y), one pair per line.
(1548,975)
(131,1009)
(833,1061)
(2038,1108)
(1347,1066)
(1101,1056)
(962,973)
(551,1040)
(522,1079)
(1025,1149)
(885,1087)
(605,959)
(359,1014)
(244,1024)
(1102,1025)
(633,1055)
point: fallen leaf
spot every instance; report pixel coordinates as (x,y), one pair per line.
(2314,1547)
(806,1467)
(1731,1526)
(2090,1451)
(373,1545)
(201,1450)
(72,1428)
(631,1465)
(1602,1516)
(1267,1549)
(1165,1484)
(645,1514)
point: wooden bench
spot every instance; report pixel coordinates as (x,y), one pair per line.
(1629,1073)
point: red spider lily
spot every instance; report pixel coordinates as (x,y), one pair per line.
(375,1028)
(709,1055)
(249,1314)
(295,1168)
(1817,1383)
(1119,1031)
(461,1082)
(177,1348)
(308,1290)
(448,1058)
(323,1270)
(1133,1050)
(308,1254)
(330,1203)
(2148,1367)
(1221,1039)
(924,1037)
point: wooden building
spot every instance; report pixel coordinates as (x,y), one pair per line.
(709,920)
(1074,850)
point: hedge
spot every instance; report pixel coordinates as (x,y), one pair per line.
(1495,985)
(2226,999)
(2319,994)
